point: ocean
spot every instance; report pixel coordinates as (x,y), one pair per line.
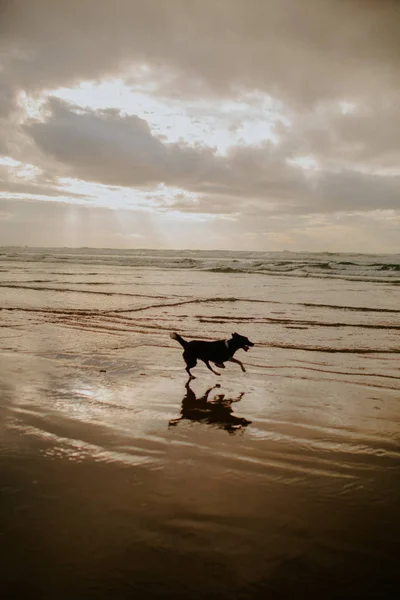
(120,479)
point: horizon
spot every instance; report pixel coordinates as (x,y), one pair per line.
(149,249)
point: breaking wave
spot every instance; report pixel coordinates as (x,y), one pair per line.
(351,267)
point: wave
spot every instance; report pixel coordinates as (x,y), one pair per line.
(353,267)
(294,323)
(315,270)
(76,291)
(342,307)
(216,299)
(331,350)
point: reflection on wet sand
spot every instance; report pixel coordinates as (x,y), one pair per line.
(217,411)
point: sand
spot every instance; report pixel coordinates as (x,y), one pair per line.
(120,480)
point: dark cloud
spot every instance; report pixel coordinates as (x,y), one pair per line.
(3,146)
(110,148)
(367,136)
(306,54)
(327,193)
(302,52)
(100,146)
(347,191)
(7,99)
(361,134)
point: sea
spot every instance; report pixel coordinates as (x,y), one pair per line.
(119,478)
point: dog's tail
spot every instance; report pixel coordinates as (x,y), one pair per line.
(179,339)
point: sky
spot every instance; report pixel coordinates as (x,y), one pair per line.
(211,124)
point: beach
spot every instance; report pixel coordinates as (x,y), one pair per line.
(119,479)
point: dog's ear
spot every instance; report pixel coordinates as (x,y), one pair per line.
(235,335)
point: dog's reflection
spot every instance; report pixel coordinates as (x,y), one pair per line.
(217,411)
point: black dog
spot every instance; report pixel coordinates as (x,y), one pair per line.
(217,352)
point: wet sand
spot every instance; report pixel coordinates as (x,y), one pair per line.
(105,494)
(119,480)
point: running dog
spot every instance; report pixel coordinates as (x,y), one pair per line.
(216,352)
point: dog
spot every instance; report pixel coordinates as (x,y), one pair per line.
(216,352)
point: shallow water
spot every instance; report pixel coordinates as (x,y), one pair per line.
(120,480)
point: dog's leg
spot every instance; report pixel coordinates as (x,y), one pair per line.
(189,373)
(210,367)
(220,365)
(191,362)
(235,360)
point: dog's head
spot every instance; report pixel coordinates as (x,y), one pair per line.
(240,341)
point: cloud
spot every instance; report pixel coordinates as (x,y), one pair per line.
(100,146)
(331,67)
(112,149)
(349,191)
(364,136)
(6,99)
(307,55)
(303,52)
(31,181)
